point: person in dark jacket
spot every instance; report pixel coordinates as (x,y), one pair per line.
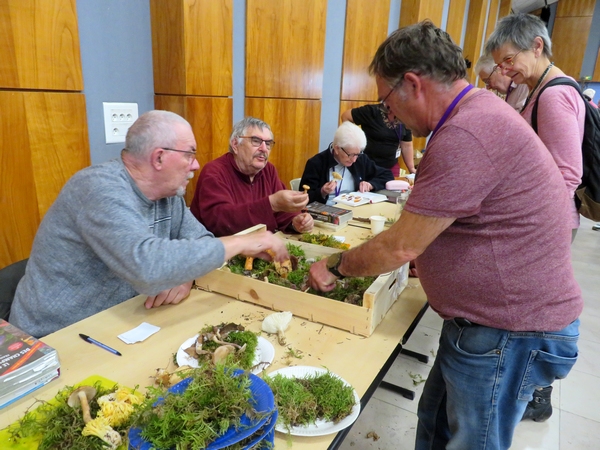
(343,168)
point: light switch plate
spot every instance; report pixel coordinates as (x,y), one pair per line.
(118,117)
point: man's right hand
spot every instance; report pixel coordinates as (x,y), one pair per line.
(255,244)
(288,201)
(328,188)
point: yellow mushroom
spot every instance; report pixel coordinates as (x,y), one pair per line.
(99,427)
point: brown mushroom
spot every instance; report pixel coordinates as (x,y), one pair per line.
(222,352)
(306,188)
(81,397)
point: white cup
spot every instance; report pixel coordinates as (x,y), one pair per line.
(377,223)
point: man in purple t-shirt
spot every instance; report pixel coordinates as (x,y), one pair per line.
(491,246)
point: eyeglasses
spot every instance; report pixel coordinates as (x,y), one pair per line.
(257,142)
(487,80)
(385,108)
(510,60)
(191,153)
(351,155)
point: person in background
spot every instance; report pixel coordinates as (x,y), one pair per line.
(522,49)
(386,140)
(122,228)
(492,247)
(515,94)
(343,168)
(589,95)
(241,188)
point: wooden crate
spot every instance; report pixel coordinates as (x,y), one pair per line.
(361,320)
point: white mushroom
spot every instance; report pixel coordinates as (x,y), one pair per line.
(222,352)
(81,397)
(277,323)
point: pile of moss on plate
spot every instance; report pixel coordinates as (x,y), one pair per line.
(303,401)
(85,418)
(213,401)
(348,290)
(230,343)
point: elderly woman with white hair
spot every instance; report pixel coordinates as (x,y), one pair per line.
(343,168)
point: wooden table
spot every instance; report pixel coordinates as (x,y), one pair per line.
(356,359)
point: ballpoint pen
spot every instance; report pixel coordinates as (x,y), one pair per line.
(90,340)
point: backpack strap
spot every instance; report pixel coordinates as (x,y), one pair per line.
(554,82)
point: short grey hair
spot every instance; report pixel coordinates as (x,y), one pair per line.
(423,49)
(520,30)
(350,135)
(240,129)
(151,130)
(484,64)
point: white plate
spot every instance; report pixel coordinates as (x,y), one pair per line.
(321,427)
(264,353)
(349,199)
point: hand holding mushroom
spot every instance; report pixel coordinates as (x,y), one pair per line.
(277,323)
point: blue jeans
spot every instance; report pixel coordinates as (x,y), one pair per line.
(482,380)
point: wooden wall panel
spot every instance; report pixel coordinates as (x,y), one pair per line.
(295,125)
(456,19)
(414,11)
(43,142)
(572,8)
(39,45)
(596,76)
(366,29)
(285,46)
(474,34)
(505,8)
(211,119)
(192,46)
(491,20)
(349,104)
(567,37)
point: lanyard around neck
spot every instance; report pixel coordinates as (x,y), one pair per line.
(451,108)
(339,186)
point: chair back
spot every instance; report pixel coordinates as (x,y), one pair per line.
(9,279)
(295,184)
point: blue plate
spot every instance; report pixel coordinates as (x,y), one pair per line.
(262,401)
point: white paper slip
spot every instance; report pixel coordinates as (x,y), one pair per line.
(139,333)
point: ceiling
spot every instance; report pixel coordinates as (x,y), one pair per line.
(529,5)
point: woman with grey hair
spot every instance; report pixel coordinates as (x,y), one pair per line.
(521,48)
(343,168)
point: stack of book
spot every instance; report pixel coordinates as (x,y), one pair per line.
(26,363)
(329,214)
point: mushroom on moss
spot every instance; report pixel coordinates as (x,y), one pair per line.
(81,397)
(99,427)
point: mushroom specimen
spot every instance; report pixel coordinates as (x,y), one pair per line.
(81,397)
(306,188)
(336,176)
(99,427)
(277,323)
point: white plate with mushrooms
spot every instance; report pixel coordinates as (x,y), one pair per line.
(263,355)
(320,427)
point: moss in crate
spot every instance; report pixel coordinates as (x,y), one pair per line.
(348,290)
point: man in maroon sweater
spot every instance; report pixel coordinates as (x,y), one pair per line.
(241,188)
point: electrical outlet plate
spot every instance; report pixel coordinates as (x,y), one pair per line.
(118,117)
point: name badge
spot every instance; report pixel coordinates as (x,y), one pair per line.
(398,153)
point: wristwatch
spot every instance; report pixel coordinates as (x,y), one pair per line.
(333,263)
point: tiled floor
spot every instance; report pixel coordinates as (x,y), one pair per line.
(575,423)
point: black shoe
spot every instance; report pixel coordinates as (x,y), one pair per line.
(540,408)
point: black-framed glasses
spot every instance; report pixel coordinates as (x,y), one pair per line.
(350,155)
(510,60)
(385,108)
(257,142)
(191,153)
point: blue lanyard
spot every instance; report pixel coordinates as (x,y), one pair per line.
(339,188)
(450,108)
(399,131)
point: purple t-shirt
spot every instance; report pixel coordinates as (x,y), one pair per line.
(505,261)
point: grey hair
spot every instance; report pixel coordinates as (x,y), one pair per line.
(484,64)
(240,129)
(423,49)
(151,130)
(350,135)
(520,30)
